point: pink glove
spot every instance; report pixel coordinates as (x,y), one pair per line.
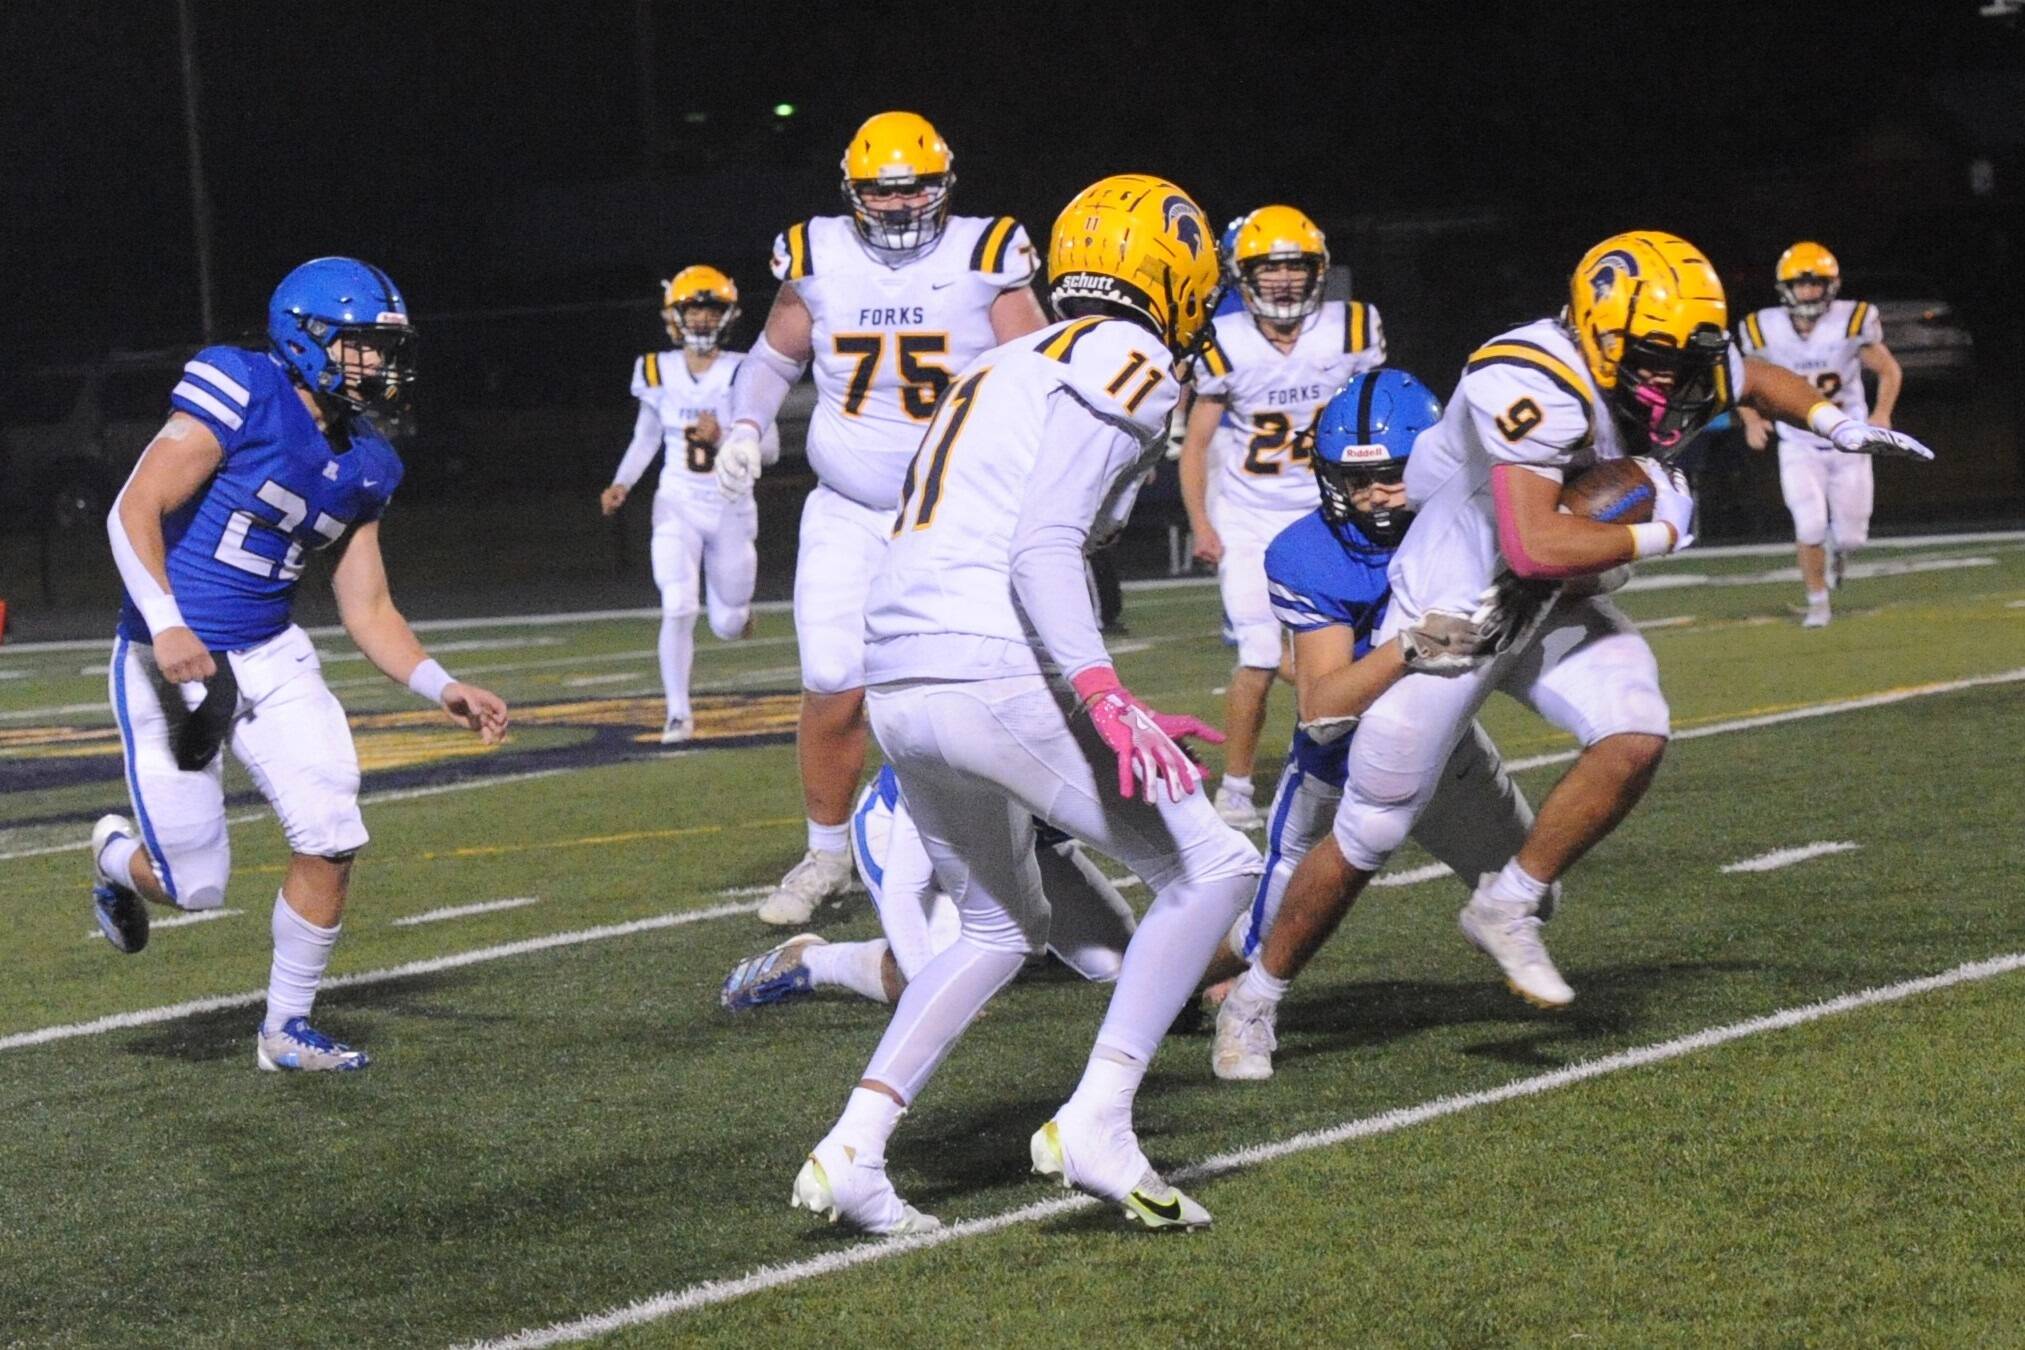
(1143,740)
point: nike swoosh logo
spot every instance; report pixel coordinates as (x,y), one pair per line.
(1171,1211)
(941,285)
(370,482)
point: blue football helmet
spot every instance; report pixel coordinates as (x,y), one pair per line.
(1364,436)
(342,327)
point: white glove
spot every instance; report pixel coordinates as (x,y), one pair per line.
(738,460)
(1673,504)
(1852,437)
(1442,642)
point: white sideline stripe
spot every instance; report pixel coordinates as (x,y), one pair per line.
(1675,621)
(459,911)
(584,681)
(1798,714)
(1413,876)
(149,1016)
(365,799)
(710,1292)
(1786,857)
(1135,587)
(177,921)
(1791,575)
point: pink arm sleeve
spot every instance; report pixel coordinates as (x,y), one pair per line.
(1511,541)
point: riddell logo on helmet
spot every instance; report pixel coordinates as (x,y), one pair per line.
(389,316)
(1366,454)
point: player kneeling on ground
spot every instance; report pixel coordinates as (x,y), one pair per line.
(266,456)
(1327,575)
(1089,923)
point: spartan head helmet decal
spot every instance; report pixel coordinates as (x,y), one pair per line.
(1604,274)
(1185,221)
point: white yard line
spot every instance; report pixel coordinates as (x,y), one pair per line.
(709,1292)
(585,681)
(1786,857)
(1669,581)
(150,1016)
(178,921)
(460,911)
(1676,621)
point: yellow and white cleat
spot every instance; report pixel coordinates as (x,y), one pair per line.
(845,1188)
(1082,1158)
(1512,939)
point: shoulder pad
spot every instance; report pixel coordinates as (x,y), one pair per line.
(1529,394)
(1115,366)
(791,257)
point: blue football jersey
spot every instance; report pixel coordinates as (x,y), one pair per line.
(1316,582)
(236,549)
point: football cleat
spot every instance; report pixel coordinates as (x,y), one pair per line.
(1512,939)
(821,875)
(846,1188)
(1112,1169)
(121,913)
(678,730)
(1243,1050)
(1238,810)
(774,976)
(1817,615)
(300,1046)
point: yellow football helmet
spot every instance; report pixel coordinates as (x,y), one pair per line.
(898,155)
(1648,312)
(1279,235)
(1804,262)
(1137,244)
(698,307)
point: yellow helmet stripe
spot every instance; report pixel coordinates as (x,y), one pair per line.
(653,370)
(989,255)
(1757,333)
(1064,342)
(1512,352)
(1856,318)
(1355,338)
(798,251)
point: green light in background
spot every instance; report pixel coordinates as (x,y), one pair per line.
(783,110)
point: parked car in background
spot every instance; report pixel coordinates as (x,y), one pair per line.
(69,435)
(1923,331)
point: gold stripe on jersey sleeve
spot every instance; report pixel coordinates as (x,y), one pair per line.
(1213,359)
(798,251)
(653,365)
(1063,343)
(1856,318)
(1355,327)
(1511,352)
(990,255)
(1757,333)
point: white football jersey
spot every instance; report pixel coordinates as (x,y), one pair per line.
(888,339)
(1274,396)
(1828,356)
(1526,397)
(943,605)
(662,381)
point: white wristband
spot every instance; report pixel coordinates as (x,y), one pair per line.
(159,613)
(430,680)
(1651,539)
(1824,417)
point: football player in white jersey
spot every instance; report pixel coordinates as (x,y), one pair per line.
(685,400)
(1832,342)
(1265,374)
(889,302)
(995,701)
(1639,361)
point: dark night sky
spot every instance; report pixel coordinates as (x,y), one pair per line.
(494,155)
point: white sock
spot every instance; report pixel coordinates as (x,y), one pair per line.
(829,838)
(1514,889)
(301,951)
(1167,955)
(1110,1081)
(1259,986)
(116,859)
(868,1121)
(1817,597)
(934,1009)
(678,654)
(1238,784)
(856,966)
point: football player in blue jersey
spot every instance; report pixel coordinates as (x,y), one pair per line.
(1327,575)
(265,456)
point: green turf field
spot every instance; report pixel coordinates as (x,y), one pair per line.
(560,1123)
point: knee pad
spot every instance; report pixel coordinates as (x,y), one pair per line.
(1851,535)
(1369,831)
(1810,524)
(831,664)
(730,624)
(676,605)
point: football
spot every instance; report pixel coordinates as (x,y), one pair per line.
(1616,492)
